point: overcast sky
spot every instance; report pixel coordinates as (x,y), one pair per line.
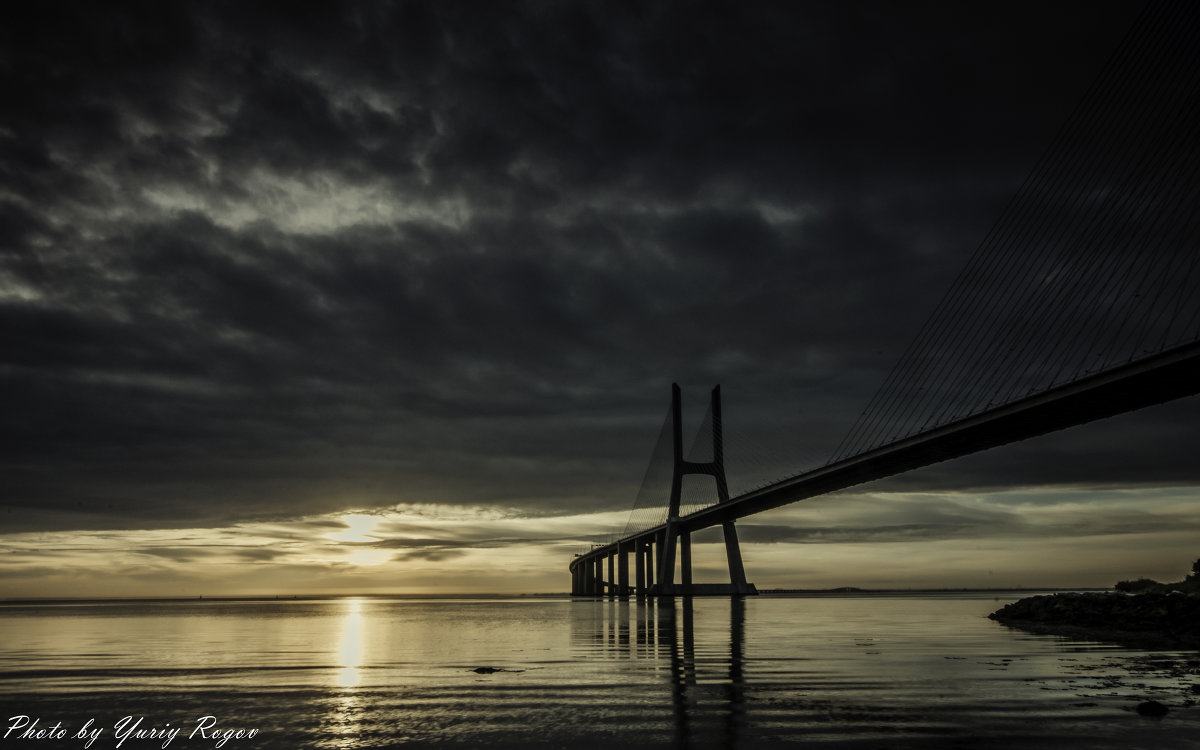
(368,296)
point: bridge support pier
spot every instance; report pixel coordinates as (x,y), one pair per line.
(648,564)
(639,566)
(685,560)
(673,534)
(733,553)
(666,559)
(581,579)
(622,571)
(654,554)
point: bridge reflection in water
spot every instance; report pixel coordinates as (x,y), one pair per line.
(707,689)
(919,671)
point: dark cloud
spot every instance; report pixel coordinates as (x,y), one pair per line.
(260,264)
(1009,526)
(430,555)
(176,554)
(764,534)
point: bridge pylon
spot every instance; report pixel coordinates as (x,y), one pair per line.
(674,537)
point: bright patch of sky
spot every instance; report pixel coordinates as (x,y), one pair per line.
(1086,538)
(314,203)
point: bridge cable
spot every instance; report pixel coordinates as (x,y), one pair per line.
(979,322)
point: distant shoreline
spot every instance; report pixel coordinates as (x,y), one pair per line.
(839,591)
(1003,590)
(265,598)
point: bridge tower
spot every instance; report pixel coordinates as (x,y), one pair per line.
(675,536)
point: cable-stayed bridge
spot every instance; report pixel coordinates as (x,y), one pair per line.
(1081,303)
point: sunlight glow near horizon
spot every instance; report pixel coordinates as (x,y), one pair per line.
(361,529)
(1033,537)
(358,528)
(368,557)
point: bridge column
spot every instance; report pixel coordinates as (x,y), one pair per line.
(666,541)
(654,574)
(652,548)
(672,535)
(685,562)
(733,552)
(647,575)
(666,560)
(639,566)
(648,563)
(622,571)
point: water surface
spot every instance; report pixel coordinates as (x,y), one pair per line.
(836,671)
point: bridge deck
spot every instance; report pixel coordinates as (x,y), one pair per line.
(1156,379)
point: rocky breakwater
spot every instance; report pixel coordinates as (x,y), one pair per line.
(1153,619)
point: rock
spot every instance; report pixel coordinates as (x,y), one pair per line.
(1139,619)
(1152,708)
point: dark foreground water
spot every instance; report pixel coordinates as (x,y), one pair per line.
(846,671)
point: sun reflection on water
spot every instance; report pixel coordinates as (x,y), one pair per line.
(350,645)
(344,728)
(346,712)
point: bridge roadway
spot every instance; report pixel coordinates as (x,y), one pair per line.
(1156,379)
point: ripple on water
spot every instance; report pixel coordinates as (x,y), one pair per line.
(843,671)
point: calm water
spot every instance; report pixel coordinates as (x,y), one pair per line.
(846,671)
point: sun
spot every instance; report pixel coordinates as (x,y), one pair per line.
(358,529)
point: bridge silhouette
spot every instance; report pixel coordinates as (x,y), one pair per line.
(1080,304)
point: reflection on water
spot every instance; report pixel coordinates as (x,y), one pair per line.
(664,631)
(553,672)
(345,712)
(350,644)
(875,672)
(683,670)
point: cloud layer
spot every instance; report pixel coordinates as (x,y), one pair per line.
(259,266)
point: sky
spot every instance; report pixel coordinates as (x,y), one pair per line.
(387,297)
